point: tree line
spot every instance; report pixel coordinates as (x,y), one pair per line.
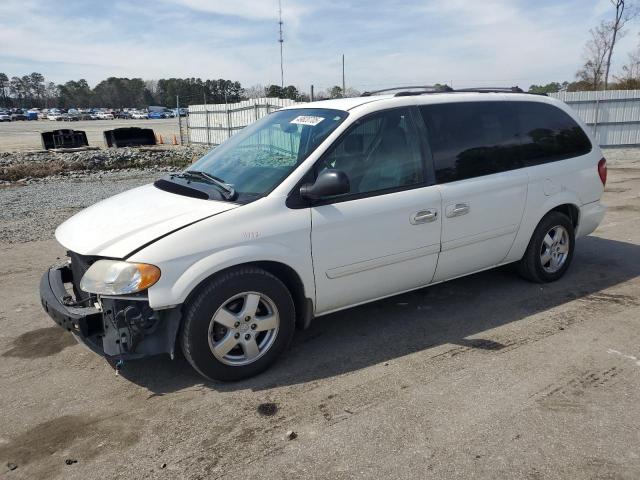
(34,91)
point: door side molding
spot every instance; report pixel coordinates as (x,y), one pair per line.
(382,261)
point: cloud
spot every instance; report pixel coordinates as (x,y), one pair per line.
(250,9)
(494,42)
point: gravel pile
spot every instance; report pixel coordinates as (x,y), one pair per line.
(32,212)
(24,167)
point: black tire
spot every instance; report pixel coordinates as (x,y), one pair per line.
(530,266)
(199,311)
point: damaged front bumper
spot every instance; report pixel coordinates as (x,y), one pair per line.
(118,328)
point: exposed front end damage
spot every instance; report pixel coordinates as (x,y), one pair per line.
(118,328)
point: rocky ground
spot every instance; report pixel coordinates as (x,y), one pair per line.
(27,167)
(38,191)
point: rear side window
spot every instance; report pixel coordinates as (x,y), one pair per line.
(548,134)
(472,139)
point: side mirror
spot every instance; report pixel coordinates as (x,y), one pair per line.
(328,183)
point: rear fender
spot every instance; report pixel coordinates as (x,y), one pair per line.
(536,209)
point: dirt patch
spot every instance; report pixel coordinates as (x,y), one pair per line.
(13,173)
(39,343)
(625,208)
(84,437)
(267,409)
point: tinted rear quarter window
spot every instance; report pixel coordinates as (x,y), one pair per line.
(472,139)
(549,134)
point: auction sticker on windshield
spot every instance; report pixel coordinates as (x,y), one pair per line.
(307,120)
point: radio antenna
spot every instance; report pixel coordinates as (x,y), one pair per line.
(281,41)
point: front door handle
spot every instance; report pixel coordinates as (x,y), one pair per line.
(424,216)
(457,210)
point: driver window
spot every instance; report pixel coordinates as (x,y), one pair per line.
(380,153)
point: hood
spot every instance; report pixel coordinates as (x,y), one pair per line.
(117,226)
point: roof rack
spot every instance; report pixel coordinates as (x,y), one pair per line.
(411,90)
(427,89)
(491,90)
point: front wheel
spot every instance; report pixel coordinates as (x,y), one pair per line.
(550,249)
(237,325)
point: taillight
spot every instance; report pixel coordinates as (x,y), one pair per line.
(602,170)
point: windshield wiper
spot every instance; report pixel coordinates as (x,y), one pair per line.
(228,192)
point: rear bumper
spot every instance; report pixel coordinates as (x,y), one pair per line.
(591,214)
(124,329)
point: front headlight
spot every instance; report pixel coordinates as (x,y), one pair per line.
(113,277)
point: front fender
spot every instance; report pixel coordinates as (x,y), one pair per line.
(265,230)
(175,290)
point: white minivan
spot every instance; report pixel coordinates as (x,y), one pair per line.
(322,206)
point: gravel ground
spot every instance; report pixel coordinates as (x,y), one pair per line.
(32,212)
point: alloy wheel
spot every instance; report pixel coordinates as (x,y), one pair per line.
(243,329)
(554,249)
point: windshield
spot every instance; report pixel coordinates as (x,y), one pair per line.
(255,160)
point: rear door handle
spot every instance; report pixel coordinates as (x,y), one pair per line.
(424,216)
(457,210)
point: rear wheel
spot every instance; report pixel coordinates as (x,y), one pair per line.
(550,249)
(237,325)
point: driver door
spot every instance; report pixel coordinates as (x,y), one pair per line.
(383,237)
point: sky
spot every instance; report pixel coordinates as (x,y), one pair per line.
(390,43)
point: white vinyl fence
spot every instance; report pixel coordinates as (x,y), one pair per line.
(213,124)
(612,115)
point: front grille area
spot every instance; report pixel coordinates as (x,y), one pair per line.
(79,265)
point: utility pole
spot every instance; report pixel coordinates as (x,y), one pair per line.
(206,116)
(344,90)
(281,40)
(312,93)
(179,120)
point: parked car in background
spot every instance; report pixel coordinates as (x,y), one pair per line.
(105,116)
(54,115)
(159,112)
(18,114)
(180,111)
(70,117)
(140,115)
(5,116)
